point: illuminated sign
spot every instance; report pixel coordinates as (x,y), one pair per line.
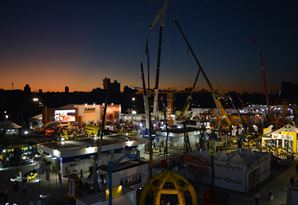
(65,115)
(89,109)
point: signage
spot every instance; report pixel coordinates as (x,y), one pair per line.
(65,115)
(89,109)
(131,180)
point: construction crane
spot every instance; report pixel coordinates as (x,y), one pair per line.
(159,17)
(188,102)
(238,111)
(215,96)
(261,59)
(148,120)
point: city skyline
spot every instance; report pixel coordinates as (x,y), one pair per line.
(50,45)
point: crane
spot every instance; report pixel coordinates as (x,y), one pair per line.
(215,96)
(159,17)
(148,120)
(187,104)
(261,59)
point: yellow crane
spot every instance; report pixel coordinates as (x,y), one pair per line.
(215,96)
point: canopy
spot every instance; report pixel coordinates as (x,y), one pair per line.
(9,125)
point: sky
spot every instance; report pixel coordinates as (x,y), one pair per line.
(51,44)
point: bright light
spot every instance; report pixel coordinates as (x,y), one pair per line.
(26,132)
(133,112)
(3,151)
(129,143)
(6,116)
(35,99)
(56,153)
(133,99)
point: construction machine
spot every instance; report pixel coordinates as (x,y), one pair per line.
(159,17)
(223,114)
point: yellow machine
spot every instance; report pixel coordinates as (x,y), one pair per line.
(31,175)
(91,130)
(168,183)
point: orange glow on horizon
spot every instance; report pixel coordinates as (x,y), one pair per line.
(55,76)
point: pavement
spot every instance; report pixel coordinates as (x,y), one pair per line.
(51,190)
(57,194)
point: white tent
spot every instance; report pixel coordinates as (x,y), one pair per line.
(241,170)
(9,128)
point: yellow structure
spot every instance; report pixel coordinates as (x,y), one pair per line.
(283,138)
(168,183)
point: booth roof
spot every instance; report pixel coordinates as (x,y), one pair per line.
(239,157)
(287,127)
(9,125)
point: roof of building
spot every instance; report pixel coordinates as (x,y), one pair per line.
(287,127)
(9,125)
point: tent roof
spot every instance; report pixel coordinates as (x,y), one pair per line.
(9,125)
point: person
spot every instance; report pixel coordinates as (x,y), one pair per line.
(257,198)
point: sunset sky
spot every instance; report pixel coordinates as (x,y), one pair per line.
(54,43)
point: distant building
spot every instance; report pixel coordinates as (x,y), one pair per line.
(288,91)
(27,88)
(114,87)
(106,83)
(66,89)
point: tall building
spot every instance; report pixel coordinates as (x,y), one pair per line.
(114,87)
(27,88)
(66,89)
(106,83)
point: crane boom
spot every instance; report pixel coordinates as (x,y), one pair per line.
(160,17)
(200,69)
(148,120)
(261,59)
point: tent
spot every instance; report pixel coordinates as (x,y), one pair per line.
(9,128)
